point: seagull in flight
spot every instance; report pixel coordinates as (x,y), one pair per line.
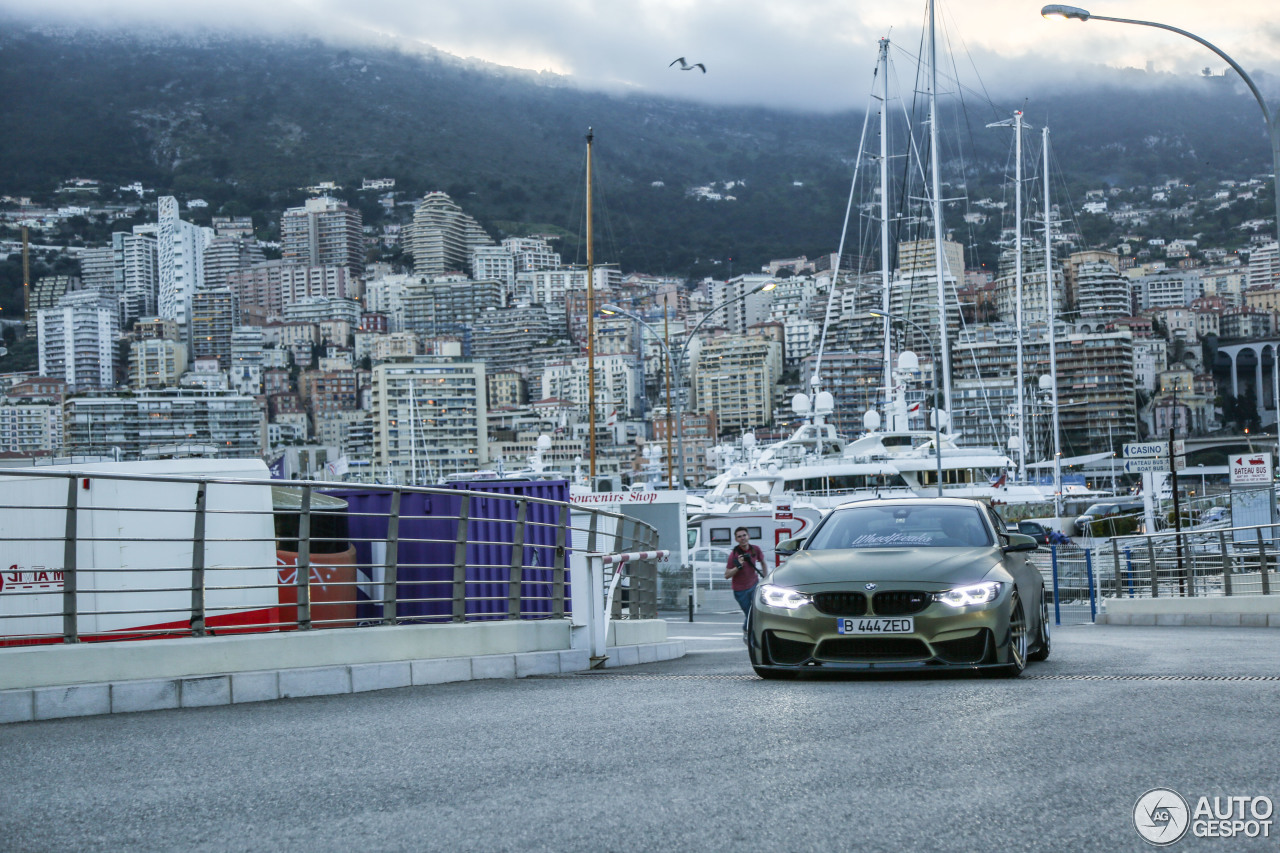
(684,66)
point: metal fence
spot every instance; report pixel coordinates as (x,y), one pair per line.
(94,556)
(1069,576)
(1197,562)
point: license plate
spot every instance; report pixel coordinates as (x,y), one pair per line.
(875,626)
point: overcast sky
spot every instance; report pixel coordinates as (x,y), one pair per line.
(811,54)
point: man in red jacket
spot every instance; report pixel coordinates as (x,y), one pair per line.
(744,569)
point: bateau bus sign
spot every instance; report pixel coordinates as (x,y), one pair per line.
(1250,469)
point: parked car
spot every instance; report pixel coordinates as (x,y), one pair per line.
(1087,522)
(906,584)
(1215,515)
(1035,530)
(708,567)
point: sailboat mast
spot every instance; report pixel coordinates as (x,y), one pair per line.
(884,232)
(413,432)
(1053,352)
(937,216)
(1017,252)
(591,324)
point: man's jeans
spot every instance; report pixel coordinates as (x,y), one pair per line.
(744,601)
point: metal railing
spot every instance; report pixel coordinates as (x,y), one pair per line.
(1201,562)
(95,556)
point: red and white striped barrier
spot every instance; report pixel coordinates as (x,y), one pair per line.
(618,559)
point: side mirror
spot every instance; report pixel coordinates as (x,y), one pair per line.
(787,547)
(1021,542)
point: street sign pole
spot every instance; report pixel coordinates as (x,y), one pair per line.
(1177,513)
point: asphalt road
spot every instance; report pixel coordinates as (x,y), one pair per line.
(695,754)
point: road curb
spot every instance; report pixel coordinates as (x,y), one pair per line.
(121,697)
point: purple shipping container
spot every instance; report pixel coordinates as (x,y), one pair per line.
(427,534)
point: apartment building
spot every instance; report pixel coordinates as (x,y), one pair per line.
(735,375)
(1264,267)
(180,262)
(323,232)
(77,341)
(156,363)
(443,306)
(224,255)
(617,384)
(214,315)
(223,423)
(443,237)
(268,287)
(548,286)
(30,427)
(430,419)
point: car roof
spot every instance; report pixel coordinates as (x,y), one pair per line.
(917,501)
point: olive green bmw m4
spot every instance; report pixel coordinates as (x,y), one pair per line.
(906,584)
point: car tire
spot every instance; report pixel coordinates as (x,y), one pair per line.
(1017,640)
(756,654)
(1042,640)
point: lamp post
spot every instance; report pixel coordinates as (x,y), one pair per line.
(1056,10)
(675,362)
(937,385)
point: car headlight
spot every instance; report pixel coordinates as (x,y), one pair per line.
(781,596)
(966,596)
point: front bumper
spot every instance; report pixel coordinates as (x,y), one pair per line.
(975,637)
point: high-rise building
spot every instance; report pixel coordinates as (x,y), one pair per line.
(1102,293)
(443,237)
(323,232)
(735,376)
(430,418)
(138,261)
(180,250)
(263,290)
(1264,266)
(98,271)
(914,295)
(214,313)
(225,255)
(77,341)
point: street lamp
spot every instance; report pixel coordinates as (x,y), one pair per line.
(1056,10)
(937,384)
(675,362)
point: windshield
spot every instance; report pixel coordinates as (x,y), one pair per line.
(902,526)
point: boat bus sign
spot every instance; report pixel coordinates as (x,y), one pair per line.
(1153,449)
(1154,464)
(1250,469)
(782,512)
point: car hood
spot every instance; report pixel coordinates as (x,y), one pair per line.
(860,565)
